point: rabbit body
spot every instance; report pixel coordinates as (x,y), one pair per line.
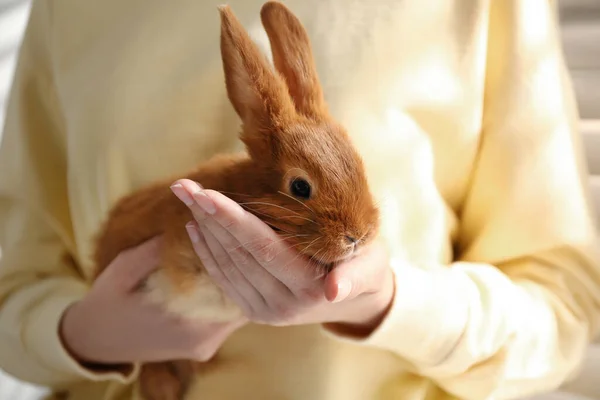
(180,283)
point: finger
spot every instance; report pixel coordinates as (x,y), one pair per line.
(267,248)
(364,274)
(242,225)
(246,265)
(187,191)
(131,267)
(259,240)
(226,265)
(211,266)
(347,281)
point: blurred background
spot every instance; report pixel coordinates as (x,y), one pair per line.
(580,24)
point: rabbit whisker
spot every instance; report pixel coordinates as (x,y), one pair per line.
(299,253)
(293,198)
(275,218)
(310,244)
(256,211)
(267,204)
(292,260)
(321,267)
(235,194)
(297,216)
(307,242)
(280,239)
(327,263)
(275,228)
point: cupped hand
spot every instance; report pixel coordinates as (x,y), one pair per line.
(270,281)
(114,324)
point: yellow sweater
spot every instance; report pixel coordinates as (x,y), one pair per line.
(465,117)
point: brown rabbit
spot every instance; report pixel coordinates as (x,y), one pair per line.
(301,175)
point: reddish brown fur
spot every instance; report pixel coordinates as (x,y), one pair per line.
(288,133)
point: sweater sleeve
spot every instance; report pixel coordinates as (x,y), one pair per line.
(37,284)
(513,315)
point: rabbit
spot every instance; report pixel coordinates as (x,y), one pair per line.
(300,174)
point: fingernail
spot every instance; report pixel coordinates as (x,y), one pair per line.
(192,232)
(182,194)
(205,202)
(343,290)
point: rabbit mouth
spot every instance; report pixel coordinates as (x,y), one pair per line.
(329,259)
(329,265)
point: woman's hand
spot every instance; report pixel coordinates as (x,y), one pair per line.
(268,279)
(113,324)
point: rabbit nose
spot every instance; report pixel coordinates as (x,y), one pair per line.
(351,240)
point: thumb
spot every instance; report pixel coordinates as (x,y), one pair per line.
(363,274)
(345,282)
(133,265)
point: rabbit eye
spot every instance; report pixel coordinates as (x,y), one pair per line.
(300,188)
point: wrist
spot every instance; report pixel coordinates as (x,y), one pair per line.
(68,332)
(72,333)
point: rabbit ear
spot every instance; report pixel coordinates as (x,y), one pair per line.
(258,95)
(293,58)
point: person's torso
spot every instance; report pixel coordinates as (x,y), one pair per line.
(142,91)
